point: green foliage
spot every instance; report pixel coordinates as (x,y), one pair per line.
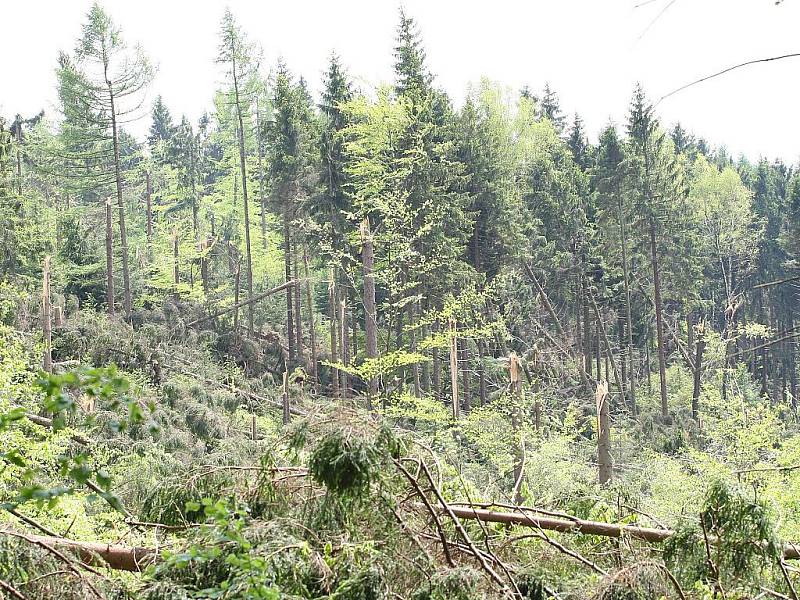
(734,541)
(348,463)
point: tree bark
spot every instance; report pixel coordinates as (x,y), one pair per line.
(454,368)
(312,326)
(697,371)
(415,370)
(261,197)
(519,441)
(587,331)
(287,413)
(175,263)
(436,375)
(465,374)
(47,326)
(149,215)
(298,315)
(123,234)
(345,343)
(109,259)
(370,313)
(287,260)
(236,303)
(332,304)
(605,467)
(243,170)
(481,372)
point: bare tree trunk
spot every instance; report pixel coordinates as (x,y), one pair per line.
(204,247)
(605,466)
(597,348)
(149,208)
(175,263)
(47,336)
(602,335)
(481,372)
(578,319)
(332,304)
(370,313)
(298,315)
(312,326)
(465,374)
(587,332)
(519,450)
(195,199)
(261,197)
(352,296)
(287,413)
(236,283)
(345,345)
(698,370)
(58,317)
(123,234)
(109,260)
(628,319)
(287,261)
(662,359)
(19,156)
(454,368)
(415,374)
(436,376)
(243,169)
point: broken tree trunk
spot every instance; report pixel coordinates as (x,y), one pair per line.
(454,367)
(58,317)
(287,412)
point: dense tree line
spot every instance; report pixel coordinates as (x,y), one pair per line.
(407,225)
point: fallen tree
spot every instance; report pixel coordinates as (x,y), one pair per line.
(528,518)
(113,556)
(255,298)
(131,558)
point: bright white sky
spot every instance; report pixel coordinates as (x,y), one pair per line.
(591,51)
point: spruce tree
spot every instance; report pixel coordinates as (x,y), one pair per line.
(550,108)
(235,54)
(101,87)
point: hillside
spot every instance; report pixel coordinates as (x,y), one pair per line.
(379,345)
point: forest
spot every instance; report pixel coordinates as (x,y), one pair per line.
(380,344)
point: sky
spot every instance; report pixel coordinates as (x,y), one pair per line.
(592,52)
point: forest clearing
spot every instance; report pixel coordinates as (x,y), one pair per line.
(376,342)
